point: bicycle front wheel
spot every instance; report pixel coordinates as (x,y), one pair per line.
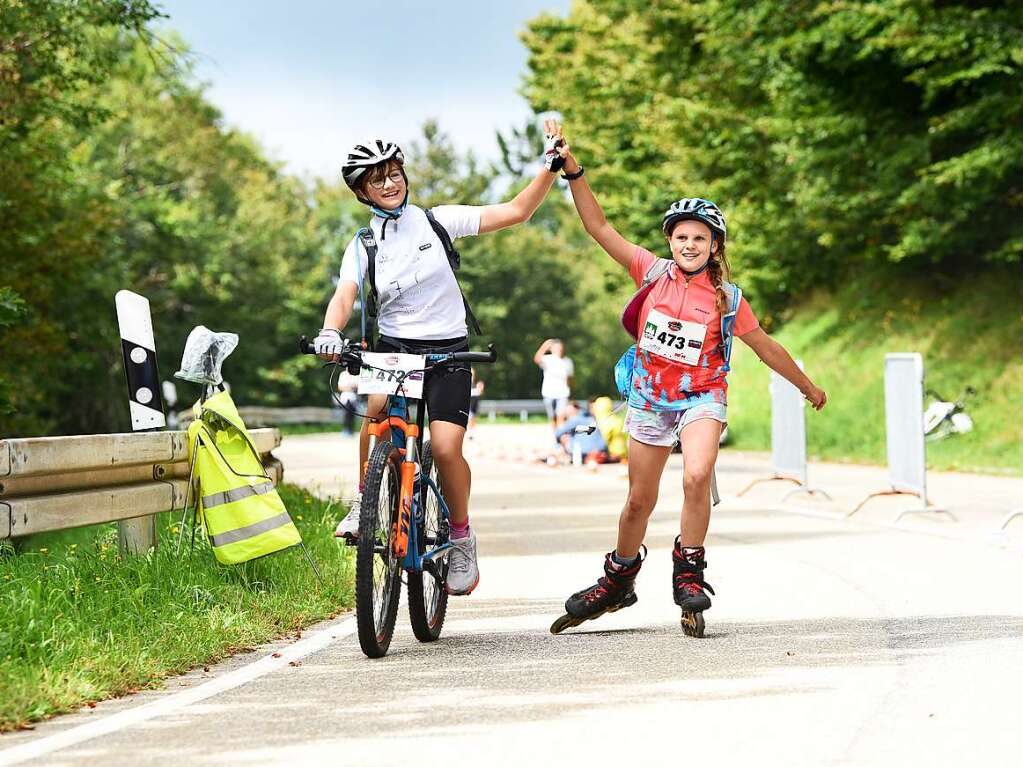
(377,570)
(427,598)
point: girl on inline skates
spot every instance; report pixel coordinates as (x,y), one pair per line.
(676,382)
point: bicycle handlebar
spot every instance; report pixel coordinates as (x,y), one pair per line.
(490,355)
(352,353)
(969,391)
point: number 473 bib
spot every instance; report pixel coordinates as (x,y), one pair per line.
(676,340)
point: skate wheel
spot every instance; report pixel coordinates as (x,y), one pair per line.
(564,622)
(692,624)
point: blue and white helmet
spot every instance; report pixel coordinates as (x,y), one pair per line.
(364,156)
(695,209)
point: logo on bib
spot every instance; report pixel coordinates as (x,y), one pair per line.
(650,330)
(426,246)
(392,360)
(674,327)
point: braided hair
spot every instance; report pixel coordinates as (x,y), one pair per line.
(718,271)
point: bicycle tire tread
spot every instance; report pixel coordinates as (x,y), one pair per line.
(374,645)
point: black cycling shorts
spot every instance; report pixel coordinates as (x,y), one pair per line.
(446,388)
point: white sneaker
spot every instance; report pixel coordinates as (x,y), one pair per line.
(348,528)
(463,573)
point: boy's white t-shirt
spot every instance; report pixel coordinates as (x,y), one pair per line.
(418,294)
(556,372)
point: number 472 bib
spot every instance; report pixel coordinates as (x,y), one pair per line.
(676,340)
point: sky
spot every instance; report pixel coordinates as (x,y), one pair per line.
(310,78)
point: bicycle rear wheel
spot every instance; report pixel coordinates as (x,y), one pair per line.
(427,598)
(377,570)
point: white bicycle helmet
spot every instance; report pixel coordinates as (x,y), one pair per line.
(364,156)
(695,209)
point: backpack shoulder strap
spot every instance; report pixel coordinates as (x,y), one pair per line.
(369,244)
(370,303)
(657,269)
(630,314)
(734,294)
(454,257)
(455,261)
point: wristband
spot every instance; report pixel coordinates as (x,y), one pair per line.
(574,176)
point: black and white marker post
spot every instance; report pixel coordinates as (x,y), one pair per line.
(138,345)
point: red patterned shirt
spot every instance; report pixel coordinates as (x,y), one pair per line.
(686,307)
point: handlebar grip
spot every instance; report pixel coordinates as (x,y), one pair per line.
(488,356)
(305,347)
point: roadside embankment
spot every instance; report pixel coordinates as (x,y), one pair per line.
(970,334)
(79,623)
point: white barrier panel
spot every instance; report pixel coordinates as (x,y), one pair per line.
(904,431)
(788,436)
(904,423)
(788,429)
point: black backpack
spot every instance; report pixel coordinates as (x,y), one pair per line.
(372,307)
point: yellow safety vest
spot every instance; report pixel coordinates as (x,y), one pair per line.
(240,509)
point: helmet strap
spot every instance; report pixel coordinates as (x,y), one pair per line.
(390,214)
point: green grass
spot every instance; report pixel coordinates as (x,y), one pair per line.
(79,623)
(512,418)
(291,429)
(969,335)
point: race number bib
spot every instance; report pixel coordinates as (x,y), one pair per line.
(676,340)
(382,372)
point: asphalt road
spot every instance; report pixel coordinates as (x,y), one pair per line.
(830,642)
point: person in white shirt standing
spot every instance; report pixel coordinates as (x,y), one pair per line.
(557,377)
(421,311)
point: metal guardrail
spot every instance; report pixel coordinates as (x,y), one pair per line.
(493,407)
(57,483)
(268,416)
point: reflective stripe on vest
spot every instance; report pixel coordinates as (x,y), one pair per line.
(251,531)
(229,496)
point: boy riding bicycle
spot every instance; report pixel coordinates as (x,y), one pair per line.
(421,310)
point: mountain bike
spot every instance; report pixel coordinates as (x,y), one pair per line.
(404,524)
(943,418)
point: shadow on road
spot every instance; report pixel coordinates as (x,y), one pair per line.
(529,534)
(472,678)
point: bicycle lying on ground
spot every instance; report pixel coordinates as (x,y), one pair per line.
(404,521)
(943,418)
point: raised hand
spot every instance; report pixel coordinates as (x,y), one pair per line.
(552,157)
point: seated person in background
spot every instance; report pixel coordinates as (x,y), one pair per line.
(590,446)
(612,428)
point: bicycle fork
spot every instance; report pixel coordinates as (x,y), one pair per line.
(408,479)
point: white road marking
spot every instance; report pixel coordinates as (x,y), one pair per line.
(308,645)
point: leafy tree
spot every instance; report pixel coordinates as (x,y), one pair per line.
(440,176)
(51,217)
(836,136)
(12,308)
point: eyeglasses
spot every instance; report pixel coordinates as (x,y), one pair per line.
(395,176)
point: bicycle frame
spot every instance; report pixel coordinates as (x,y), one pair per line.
(407,438)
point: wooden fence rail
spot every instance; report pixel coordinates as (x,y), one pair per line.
(57,483)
